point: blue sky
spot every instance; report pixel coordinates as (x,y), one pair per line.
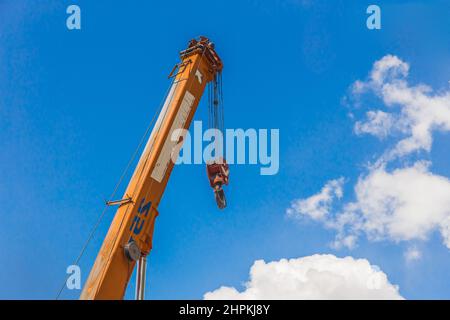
(74,105)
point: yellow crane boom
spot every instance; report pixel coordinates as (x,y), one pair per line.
(130,235)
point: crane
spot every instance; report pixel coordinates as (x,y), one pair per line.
(129,238)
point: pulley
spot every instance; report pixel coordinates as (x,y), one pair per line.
(132,251)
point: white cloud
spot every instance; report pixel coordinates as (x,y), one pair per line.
(378,123)
(420,111)
(318,206)
(404,203)
(389,67)
(343,240)
(312,277)
(412,254)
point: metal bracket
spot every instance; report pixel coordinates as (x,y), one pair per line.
(119,202)
(178,67)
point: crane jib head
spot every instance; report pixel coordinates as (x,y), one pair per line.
(205,47)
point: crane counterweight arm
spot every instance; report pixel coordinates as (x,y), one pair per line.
(131,232)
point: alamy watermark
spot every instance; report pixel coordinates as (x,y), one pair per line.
(73,21)
(73,281)
(237,146)
(373,22)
